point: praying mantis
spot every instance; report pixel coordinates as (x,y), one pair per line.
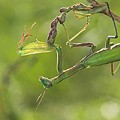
(106,55)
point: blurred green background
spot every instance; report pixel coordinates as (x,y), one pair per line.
(91,94)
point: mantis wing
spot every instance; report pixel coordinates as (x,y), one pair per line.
(35,48)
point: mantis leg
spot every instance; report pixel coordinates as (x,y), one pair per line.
(108,44)
(59,59)
(112,68)
(114,71)
(83,29)
(87,44)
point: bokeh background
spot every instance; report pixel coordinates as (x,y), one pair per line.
(91,94)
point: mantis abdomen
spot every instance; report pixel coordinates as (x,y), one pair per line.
(103,56)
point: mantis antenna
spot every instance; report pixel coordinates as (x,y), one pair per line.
(40,98)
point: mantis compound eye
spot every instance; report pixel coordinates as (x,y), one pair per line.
(47,83)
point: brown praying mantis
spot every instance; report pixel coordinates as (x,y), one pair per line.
(106,55)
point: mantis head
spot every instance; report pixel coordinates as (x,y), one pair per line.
(47,83)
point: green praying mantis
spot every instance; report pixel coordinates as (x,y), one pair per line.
(106,55)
